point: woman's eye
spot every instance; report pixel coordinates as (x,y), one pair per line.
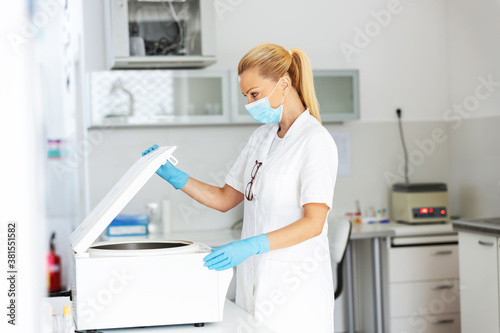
(254,94)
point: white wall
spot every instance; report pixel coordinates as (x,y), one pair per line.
(474,51)
(475,151)
(403,66)
(474,44)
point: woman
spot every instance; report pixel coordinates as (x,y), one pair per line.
(285,175)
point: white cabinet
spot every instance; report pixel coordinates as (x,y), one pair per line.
(449,323)
(159,97)
(422,288)
(479,283)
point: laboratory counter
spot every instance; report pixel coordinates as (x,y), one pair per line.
(364,231)
(375,234)
(219,237)
(486,226)
(235,320)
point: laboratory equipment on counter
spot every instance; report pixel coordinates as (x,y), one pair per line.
(151,282)
(420,203)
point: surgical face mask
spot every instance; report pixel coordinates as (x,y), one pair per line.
(262,111)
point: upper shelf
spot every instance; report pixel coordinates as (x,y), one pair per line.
(163,62)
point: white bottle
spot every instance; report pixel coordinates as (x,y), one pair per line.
(69,325)
(57,324)
(154,226)
(47,322)
(166,216)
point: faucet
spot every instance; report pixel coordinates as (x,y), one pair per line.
(117,86)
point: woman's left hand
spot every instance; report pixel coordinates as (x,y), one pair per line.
(234,253)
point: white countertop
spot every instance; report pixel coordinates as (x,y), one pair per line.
(235,320)
(219,237)
(361,231)
(486,226)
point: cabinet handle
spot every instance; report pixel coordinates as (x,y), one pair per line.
(443,321)
(443,286)
(438,253)
(485,243)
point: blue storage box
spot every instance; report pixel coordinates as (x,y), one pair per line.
(128,225)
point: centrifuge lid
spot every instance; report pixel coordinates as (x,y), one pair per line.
(112,204)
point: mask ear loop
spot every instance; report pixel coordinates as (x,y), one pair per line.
(274,88)
(283,99)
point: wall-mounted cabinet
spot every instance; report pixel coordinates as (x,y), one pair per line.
(160,34)
(159,97)
(195,97)
(337,92)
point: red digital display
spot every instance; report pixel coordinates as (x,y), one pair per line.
(429,212)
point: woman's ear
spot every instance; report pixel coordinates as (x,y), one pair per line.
(286,83)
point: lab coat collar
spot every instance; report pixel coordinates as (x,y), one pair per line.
(297,124)
(295,128)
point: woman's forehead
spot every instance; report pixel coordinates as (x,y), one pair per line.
(252,77)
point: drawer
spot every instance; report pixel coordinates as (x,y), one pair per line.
(424,298)
(418,263)
(432,324)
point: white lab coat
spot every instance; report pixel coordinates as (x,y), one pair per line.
(290,289)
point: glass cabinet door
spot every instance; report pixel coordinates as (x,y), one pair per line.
(141,97)
(238,112)
(337,92)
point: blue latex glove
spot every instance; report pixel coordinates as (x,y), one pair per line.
(235,253)
(169,172)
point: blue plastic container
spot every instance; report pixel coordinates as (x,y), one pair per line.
(128,225)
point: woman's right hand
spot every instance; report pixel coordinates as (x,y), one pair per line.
(169,172)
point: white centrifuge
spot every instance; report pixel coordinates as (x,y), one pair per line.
(137,283)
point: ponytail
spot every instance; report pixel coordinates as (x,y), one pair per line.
(304,83)
(273,61)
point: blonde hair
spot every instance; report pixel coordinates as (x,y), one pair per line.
(273,61)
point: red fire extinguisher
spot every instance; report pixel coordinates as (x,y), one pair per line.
(54,267)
